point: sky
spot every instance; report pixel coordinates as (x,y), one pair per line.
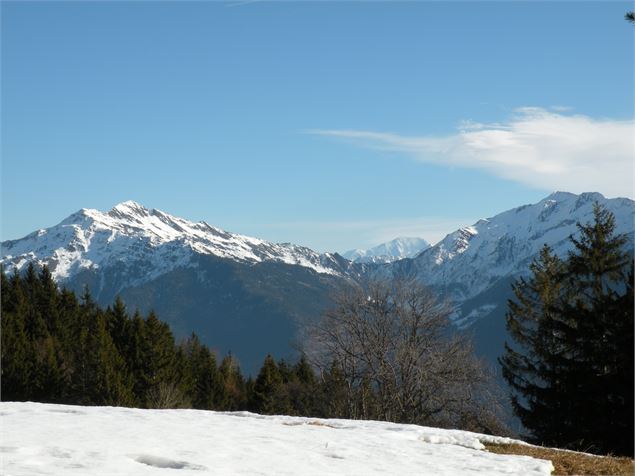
(334,125)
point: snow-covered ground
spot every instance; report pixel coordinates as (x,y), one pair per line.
(44,439)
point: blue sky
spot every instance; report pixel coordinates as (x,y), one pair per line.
(329,124)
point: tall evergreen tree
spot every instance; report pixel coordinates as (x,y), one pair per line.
(267,388)
(158,354)
(571,370)
(334,400)
(117,324)
(135,357)
(234,390)
(206,386)
(598,274)
(302,390)
(100,376)
(534,369)
(15,369)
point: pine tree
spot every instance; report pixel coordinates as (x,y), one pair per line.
(100,376)
(302,390)
(334,396)
(117,323)
(135,357)
(598,275)
(571,371)
(534,369)
(34,323)
(158,356)
(234,389)
(206,384)
(621,439)
(267,388)
(15,368)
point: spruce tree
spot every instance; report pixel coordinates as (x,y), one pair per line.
(135,357)
(267,388)
(16,368)
(534,368)
(100,376)
(302,390)
(234,389)
(158,356)
(571,370)
(598,274)
(206,385)
(117,323)
(334,397)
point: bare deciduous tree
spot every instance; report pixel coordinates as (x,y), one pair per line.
(167,395)
(392,343)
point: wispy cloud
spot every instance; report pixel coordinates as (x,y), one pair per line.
(545,149)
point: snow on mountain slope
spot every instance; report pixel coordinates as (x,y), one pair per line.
(394,250)
(89,441)
(471,259)
(149,240)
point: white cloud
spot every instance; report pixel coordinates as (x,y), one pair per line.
(549,150)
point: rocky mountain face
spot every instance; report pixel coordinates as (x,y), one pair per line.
(145,244)
(394,250)
(473,259)
(475,266)
(250,296)
(239,293)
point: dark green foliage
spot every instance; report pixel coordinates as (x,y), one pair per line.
(234,388)
(205,385)
(303,391)
(158,358)
(16,371)
(268,395)
(336,388)
(571,372)
(56,348)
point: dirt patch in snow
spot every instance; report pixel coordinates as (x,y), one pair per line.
(570,462)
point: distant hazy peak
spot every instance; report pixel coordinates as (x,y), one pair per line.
(399,248)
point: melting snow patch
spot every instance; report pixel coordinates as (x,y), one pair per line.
(452,440)
(160,462)
(58,441)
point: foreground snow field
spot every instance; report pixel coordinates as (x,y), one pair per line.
(43,439)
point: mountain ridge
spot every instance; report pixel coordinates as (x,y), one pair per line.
(473,258)
(90,238)
(251,296)
(393,250)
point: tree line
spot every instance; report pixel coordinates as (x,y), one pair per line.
(570,367)
(385,350)
(59,348)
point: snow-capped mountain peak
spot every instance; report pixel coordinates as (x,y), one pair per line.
(399,248)
(129,207)
(473,258)
(147,242)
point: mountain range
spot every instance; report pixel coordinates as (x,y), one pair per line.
(250,296)
(394,250)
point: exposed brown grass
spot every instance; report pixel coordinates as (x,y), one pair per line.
(570,462)
(319,423)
